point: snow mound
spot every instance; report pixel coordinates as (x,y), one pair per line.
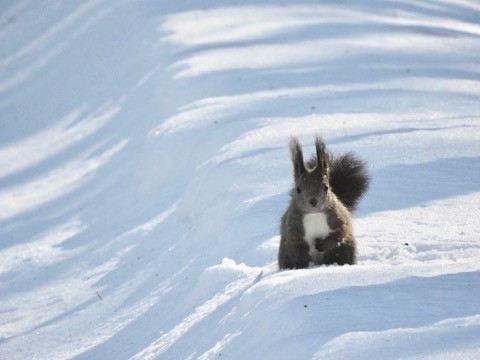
(144,169)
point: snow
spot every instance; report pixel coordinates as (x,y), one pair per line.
(144,169)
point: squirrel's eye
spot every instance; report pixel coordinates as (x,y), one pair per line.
(298,190)
(325,188)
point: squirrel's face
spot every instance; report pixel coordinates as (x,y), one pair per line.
(311,184)
(311,191)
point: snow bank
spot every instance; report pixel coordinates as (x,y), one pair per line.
(144,169)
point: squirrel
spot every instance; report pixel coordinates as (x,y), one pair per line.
(316,228)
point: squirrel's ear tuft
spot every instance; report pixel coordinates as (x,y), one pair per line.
(322,157)
(297,158)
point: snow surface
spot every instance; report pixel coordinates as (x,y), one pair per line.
(144,169)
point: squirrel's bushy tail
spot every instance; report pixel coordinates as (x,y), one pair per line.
(349,179)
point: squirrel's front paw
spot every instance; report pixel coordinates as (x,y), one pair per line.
(327,244)
(320,244)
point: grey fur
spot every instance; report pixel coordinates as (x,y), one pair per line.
(316,186)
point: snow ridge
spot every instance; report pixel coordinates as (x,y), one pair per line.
(144,169)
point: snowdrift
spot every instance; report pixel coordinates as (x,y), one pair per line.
(144,169)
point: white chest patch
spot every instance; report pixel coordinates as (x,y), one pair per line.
(315,226)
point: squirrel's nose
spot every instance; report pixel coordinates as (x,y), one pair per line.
(313,201)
